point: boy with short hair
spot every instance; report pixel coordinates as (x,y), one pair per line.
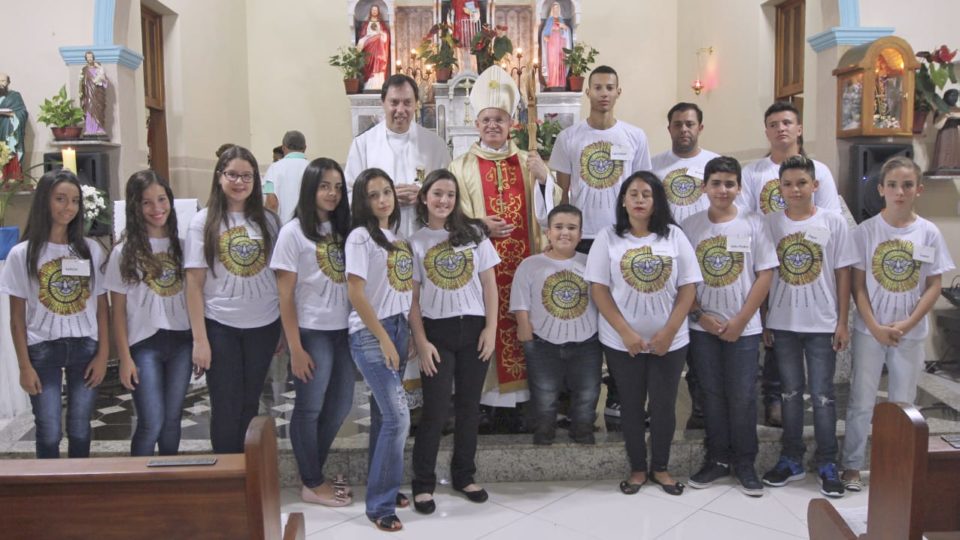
(737,258)
(808,310)
(557,325)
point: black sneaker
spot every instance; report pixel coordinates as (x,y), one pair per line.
(749,482)
(612,408)
(786,470)
(708,474)
(830,483)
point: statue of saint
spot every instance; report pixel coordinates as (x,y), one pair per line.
(93,98)
(375,40)
(13,121)
(946,153)
(556,37)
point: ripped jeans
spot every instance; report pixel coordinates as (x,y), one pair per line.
(790,348)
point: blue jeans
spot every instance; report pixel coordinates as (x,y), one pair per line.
(389,415)
(322,403)
(728,378)
(163,366)
(50,359)
(240,358)
(549,365)
(790,348)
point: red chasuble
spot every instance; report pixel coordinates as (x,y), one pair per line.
(504,195)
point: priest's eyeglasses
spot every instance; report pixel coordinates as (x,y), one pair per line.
(236,177)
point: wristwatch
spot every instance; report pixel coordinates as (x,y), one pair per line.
(696,314)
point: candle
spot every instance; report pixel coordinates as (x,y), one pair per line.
(69,157)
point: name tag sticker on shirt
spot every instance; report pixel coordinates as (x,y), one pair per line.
(620,153)
(662,250)
(458,249)
(817,235)
(738,244)
(75,267)
(254,234)
(923,254)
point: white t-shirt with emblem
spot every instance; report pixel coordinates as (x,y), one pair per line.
(449,276)
(803,297)
(897,262)
(761,188)
(643,275)
(240,290)
(321,291)
(58,306)
(557,297)
(388,275)
(683,181)
(155,302)
(598,161)
(730,255)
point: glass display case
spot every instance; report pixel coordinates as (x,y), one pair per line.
(875,84)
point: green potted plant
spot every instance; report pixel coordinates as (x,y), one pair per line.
(936,68)
(64,118)
(578,60)
(351,62)
(547,131)
(440,53)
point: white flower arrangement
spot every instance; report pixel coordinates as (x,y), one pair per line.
(94,206)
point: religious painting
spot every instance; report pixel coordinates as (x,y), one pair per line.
(372,33)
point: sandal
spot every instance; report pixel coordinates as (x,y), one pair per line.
(676,488)
(340,482)
(854,482)
(402,500)
(339,498)
(628,488)
(389,523)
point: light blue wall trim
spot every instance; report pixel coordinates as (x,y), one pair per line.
(103,15)
(106,54)
(839,35)
(849,13)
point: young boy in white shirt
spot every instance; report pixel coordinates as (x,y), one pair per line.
(808,309)
(557,325)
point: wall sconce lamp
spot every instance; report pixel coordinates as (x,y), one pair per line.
(698,85)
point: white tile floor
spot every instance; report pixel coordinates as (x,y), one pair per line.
(583,510)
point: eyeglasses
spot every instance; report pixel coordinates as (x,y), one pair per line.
(235,176)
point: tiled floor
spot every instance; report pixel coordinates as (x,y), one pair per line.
(583,510)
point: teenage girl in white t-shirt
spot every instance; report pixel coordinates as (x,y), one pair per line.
(58,314)
(309,262)
(380,287)
(151,329)
(454,323)
(232,296)
(644,274)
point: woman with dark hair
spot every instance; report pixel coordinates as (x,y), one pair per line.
(232,296)
(309,263)
(380,287)
(643,274)
(151,329)
(454,323)
(58,314)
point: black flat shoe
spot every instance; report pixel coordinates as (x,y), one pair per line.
(631,489)
(402,501)
(478,496)
(675,488)
(424,507)
(389,523)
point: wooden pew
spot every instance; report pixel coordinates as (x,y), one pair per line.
(121,498)
(914,483)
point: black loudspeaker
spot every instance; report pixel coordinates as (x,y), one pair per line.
(866,160)
(93,169)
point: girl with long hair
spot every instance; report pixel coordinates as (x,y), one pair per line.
(232,295)
(643,274)
(151,329)
(454,323)
(58,314)
(309,263)
(380,287)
